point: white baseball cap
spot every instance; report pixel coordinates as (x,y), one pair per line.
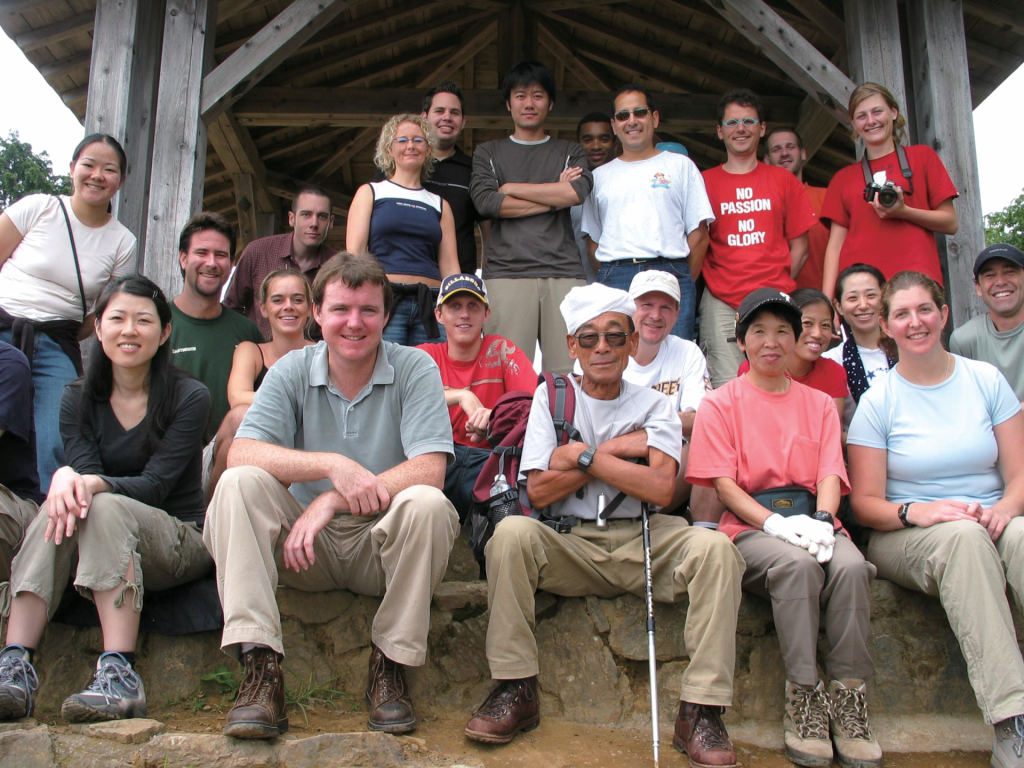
(654,280)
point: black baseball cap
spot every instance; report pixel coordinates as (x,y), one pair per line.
(998,251)
(762,297)
(461,283)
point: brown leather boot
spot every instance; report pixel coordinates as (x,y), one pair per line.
(258,712)
(387,696)
(701,735)
(511,706)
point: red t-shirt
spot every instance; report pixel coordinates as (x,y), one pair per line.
(892,245)
(825,375)
(813,273)
(765,440)
(499,368)
(756,214)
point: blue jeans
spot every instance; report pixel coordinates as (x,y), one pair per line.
(619,274)
(461,476)
(405,327)
(51,372)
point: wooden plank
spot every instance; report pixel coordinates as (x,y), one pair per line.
(236,150)
(370,108)
(565,55)
(360,141)
(830,25)
(804,63)
(942,97)
(122,96)
(74,95)
(265,51)
(542,6)
(179,142)
(56,32)
(228,8)
(11,7)
(285,187)
(874,46)
(245,208)
(636,71)
(816,124)
(1007,18)
(60,66)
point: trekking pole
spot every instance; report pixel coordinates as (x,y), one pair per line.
(651,658)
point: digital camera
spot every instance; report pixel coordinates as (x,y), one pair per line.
(886,192)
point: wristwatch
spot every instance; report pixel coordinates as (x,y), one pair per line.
(902,514)
(586,459)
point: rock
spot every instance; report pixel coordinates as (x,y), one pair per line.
(461,595)
(135,731)
(73,750)
(24,724)
(188,750)
(31,748)
(343,750)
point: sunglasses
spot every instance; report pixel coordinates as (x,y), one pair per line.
(590,340)
(637,112)
(750,122)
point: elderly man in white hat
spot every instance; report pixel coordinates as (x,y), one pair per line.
(675,367)
(619,423)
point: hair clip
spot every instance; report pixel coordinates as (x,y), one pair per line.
(156,295)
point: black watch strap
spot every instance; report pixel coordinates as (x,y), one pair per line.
(902,513)
(586,459)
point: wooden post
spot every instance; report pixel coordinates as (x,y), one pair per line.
(942,92)
(122,95)
(179,141)
(873,45)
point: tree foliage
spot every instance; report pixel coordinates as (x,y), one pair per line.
(1007,225)
(23,172)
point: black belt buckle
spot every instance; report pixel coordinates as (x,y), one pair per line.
(562,524)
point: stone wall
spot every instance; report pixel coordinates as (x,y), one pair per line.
(593,654)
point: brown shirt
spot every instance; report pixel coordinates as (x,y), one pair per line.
(259,259)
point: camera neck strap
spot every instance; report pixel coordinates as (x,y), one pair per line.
(901,156)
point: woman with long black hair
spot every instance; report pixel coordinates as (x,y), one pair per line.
(131,491)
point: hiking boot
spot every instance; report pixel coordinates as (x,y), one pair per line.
(115,693)
(805,725)
(18,683)
(700,734)
(387,696)
(855,746)
(1008,743)
(258,712)
(511,706)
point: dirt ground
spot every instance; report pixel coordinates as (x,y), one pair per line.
(555,744)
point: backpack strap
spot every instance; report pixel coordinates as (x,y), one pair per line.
(562,402)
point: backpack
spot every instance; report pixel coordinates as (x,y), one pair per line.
(506,432)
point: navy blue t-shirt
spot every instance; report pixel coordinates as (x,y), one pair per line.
(405,229)
(18,471)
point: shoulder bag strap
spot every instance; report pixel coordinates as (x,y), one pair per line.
(74,252)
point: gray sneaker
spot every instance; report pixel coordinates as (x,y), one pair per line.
(1008,744)
(18,683)
(115,693)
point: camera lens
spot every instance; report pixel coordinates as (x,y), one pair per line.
(887,197)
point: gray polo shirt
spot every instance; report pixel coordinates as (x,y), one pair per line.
(399,415)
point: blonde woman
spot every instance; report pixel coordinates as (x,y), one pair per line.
(410,230)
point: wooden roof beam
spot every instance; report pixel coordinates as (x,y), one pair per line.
(637,71)
(284,186)
(544,6)
(56,32)
(996,14)
(11,7)
(791,52)
(568,58)
(236,150)
(60,66)
(830,25)
(228,8)
(267,49)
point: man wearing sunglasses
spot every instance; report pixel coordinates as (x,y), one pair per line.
(527,183)
(578,552)
(649,209)
(759,236)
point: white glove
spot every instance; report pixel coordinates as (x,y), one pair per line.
(817,537)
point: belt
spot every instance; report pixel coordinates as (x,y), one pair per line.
(643,261)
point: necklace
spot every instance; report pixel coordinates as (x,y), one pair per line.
(949,365)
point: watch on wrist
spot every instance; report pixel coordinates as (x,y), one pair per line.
(902,514)
(586,459)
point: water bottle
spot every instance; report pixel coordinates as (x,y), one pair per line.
(601,501)
(504,500)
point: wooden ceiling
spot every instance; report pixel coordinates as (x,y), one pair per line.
(317,115)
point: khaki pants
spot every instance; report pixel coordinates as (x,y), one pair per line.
(16,514)
(799,589)
(117,529)
(246,526)
(717,325)
(525,310)
(958,563)
(525,555)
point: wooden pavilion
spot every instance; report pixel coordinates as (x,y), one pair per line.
(229,105)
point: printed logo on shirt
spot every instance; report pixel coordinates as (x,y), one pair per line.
(667,387)
(183,349)
(661,181)
(745,203)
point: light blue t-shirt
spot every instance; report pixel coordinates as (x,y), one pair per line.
(940,439)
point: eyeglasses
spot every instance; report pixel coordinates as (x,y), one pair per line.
(590,340)
(403,140)
(750,122)
(637,112)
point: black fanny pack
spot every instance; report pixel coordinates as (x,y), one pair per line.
(788,501)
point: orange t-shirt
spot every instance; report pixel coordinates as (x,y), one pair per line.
(813,273)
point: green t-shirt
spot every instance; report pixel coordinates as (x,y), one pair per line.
(978,339)
(205,348)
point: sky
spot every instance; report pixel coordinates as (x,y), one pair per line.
(39,116)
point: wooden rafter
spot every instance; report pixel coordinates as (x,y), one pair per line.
(60,66)
(55,32)
(265,51)
(567,57)
(634,69)
(828,24)
(999,15)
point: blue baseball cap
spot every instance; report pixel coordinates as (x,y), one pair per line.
(461,283)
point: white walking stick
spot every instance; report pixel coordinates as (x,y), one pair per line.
(651,657)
